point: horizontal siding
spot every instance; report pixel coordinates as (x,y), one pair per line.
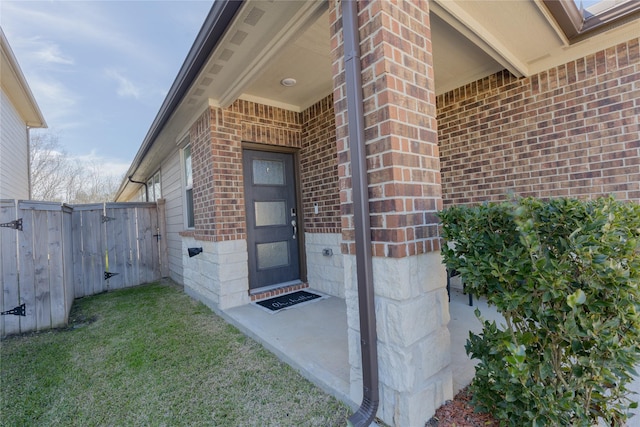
(172,193)
(14,153)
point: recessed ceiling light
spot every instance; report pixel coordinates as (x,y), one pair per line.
(288,82)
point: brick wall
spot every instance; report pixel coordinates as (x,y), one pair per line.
(319,168)
(202,162)
(265,124)
(216,144)
(400,128)
(217,136)
(570,131)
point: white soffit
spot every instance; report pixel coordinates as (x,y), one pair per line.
(456,60)
(564,53)
(260,32)
(523,30)
(522,35)
(308,60)
(478,28)
(271,40)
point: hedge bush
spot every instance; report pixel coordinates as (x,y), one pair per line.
(565,275)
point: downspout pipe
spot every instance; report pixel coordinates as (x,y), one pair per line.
(146,187)
(360,191)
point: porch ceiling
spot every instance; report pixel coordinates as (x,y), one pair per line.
(471,39)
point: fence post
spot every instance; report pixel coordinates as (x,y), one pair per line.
(163,250)
(26,264)
(67,258)
(9,291)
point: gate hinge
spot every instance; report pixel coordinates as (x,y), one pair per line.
(17,224)
(108,275)
(18,311)
(106,218)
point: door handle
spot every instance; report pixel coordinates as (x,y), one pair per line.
(295,227)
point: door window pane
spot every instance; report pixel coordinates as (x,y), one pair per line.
(270,213)
(271,255)
(268,172)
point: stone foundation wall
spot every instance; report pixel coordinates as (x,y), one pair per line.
(219,275)
(325,273)
(412,314)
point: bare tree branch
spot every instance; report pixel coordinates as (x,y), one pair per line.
(55,176)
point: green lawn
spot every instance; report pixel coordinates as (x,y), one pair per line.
(151,355)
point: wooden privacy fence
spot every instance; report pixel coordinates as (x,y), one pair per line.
(52,253)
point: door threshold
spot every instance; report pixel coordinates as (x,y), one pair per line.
(278,289)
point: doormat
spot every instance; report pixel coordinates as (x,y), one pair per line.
(282,302)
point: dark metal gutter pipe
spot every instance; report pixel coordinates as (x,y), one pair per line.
(360,187)
(146,187)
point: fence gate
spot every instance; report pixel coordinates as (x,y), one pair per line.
(115,246)
(35,259)
(52,253)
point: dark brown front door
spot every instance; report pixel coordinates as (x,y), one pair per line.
(272,220)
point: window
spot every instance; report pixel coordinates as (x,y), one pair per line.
(153,187)
(591,8)
(579,19)
(188,182)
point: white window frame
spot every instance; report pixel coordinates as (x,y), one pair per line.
(153,183)
(187,194)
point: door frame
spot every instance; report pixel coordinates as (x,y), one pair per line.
(295,152)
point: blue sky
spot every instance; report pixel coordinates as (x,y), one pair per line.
(100,70)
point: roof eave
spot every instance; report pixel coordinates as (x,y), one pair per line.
(33,116)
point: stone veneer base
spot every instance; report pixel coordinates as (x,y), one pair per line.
(414,346)
(219,274)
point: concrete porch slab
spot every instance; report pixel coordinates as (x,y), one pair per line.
(312,339)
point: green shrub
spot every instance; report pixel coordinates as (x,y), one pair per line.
(565,274)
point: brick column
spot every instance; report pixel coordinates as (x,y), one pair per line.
(218,276)
(405,194)
(218,195)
